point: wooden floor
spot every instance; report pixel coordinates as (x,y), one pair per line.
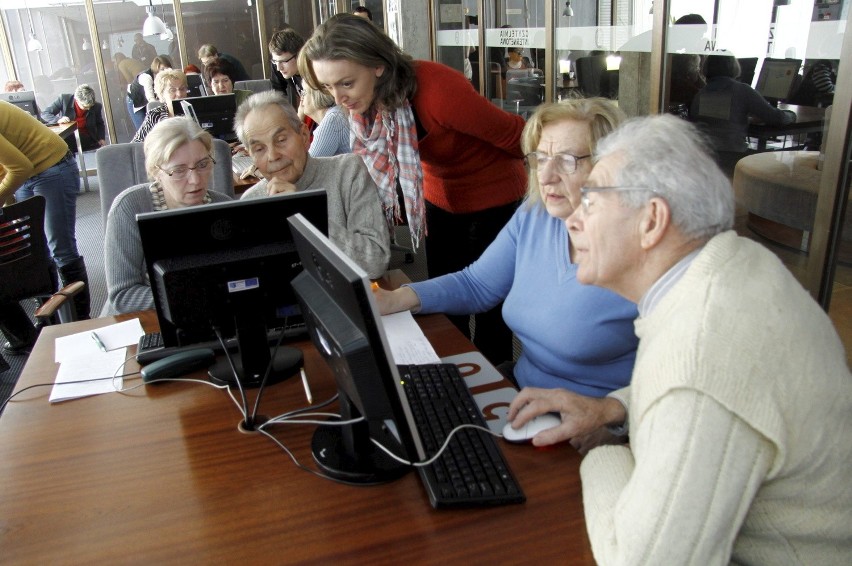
(840,309)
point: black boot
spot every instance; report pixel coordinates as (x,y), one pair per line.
(76,271)
(17,327)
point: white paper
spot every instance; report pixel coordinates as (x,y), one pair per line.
(407,342)
(88,375)
(114,336)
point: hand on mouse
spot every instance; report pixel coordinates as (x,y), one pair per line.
(581,416)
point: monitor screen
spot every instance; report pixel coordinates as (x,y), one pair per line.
(345,326)
(213,113)
(776,78)
(25,100)
(196,86)
(227,266)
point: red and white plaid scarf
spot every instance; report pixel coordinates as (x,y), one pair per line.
(388,146)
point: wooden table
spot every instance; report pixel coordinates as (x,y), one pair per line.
(65,130)
(809,119)
(161,475)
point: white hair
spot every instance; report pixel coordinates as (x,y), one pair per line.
(670,156)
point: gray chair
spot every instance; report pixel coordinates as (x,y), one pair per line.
(257,85)
(122,165)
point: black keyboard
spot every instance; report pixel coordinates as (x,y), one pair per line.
(472,470)
(150,347)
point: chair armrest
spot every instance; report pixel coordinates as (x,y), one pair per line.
(53,304)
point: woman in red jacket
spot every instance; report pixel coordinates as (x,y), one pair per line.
(425,133)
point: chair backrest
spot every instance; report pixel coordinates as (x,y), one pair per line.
(26,268)
(122,165)
(591,75)
(153,104)
(256,85)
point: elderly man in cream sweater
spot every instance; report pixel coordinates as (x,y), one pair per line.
(277,141)
(740,406)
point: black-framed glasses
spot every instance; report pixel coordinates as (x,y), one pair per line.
(276,62)
(563,162)
(181,172)
(585,191)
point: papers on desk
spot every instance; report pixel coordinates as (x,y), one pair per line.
(84,368)
(407,342)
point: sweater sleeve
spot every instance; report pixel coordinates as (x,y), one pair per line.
(765,112)
(479,286)
(18,168)
(53,112)
(686,495)
(147,82)
(127,285)
(331,134)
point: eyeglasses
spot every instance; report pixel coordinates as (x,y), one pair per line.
(563,162)
(584,193)
(275,61)
(181,172)
(175,90)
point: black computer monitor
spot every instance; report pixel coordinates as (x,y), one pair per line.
(344,324)
(213,113)
(229,266)
(776,78)
(25,100)
(747,67)
(195,84)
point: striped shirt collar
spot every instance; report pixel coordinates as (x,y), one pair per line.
(663,285)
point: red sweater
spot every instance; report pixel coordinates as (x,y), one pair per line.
(471,155)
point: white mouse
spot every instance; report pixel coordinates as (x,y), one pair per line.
(533,427)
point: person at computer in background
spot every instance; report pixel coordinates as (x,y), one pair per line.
(81,108)
(363,12)
(277,141)
(170,85)
(740,405)
(331,136)
(284,47)
(221,76)
(573,337)
(128,68)
(725,105)
(35,161)
(191,70)
(209,54)
(179,163)
(13,86)
(458,158)
(516,59)
(141,90)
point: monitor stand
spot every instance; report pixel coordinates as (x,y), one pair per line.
(285,364)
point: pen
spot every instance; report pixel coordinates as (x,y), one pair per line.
(307,387)
(98,341)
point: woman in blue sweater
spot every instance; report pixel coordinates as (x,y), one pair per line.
(574,337)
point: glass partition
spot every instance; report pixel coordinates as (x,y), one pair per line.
(230,26)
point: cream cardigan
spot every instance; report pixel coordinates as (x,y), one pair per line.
(741,426)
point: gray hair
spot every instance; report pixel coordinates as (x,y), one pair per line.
(261,100)
(163,80)
(169,135)
(670,156)
(84,95)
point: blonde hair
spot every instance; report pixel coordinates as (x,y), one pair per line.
(317,98)
(601,115)
(169,135)
(163,78)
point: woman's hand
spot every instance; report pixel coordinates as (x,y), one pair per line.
(398,300)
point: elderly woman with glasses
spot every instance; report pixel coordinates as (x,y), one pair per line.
(170,85)
(573,337)
(179,163)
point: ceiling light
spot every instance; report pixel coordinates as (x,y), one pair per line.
(153,25)
(568,12)
(86,45)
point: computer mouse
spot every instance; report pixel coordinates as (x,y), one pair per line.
(529,430)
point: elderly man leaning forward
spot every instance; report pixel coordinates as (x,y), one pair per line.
(277,141)
(740,405)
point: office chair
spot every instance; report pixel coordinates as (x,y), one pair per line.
(26,268)
(122,165)
(258,85)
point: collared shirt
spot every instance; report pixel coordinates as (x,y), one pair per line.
(663,285)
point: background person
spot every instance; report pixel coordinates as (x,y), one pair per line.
(170,85)
(143,51)
(13,86)
(363,12)
(277,141)
(457,158)
(739,411)
(221,76)
(35,161)
(128,68)
(573,337)
(284,47)
(331,136)
(209,54)
(179,162)
(82,109)
(141,91)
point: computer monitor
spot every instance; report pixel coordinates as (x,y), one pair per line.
(229,266)
(343,322)
(747,67)
(196,86)
(25,100)
(776,78)
(214,113)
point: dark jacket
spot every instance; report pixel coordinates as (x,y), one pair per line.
(64,106)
